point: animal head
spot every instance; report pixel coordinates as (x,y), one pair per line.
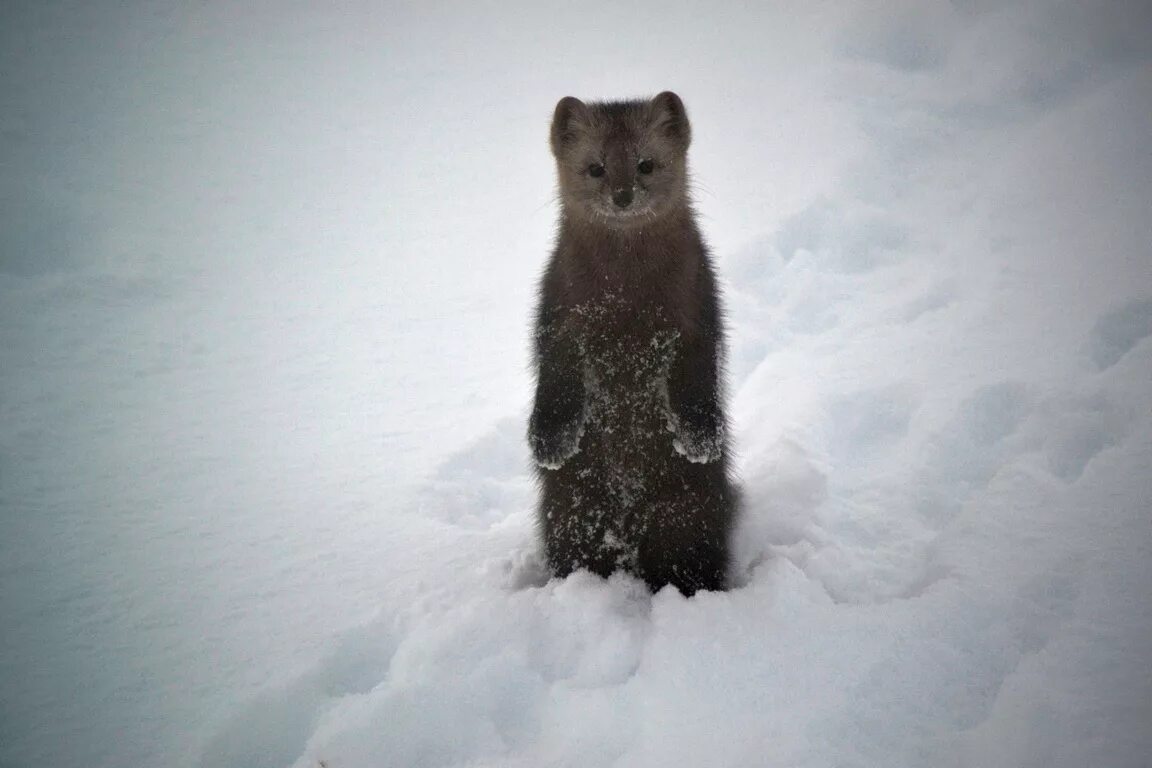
(621,164)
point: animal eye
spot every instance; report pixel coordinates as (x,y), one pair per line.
(596,170)
(645,166)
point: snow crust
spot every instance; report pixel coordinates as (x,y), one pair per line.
(265,283)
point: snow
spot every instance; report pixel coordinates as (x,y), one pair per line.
(265,283)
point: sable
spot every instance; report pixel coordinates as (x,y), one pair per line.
(628,427)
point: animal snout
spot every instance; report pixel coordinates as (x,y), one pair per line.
(622,198)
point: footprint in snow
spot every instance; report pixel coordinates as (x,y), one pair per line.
(272,730)
(1118,331)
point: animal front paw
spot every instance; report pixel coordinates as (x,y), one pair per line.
(554,441)
(699,442)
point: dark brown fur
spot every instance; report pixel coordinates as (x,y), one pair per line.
(628,424)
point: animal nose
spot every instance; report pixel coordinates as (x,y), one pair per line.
(622,198)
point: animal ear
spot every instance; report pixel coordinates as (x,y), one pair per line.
(570,119)
(667,116)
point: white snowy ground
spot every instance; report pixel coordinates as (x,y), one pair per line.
(265,275)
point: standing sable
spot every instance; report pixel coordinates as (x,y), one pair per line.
(628,424)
